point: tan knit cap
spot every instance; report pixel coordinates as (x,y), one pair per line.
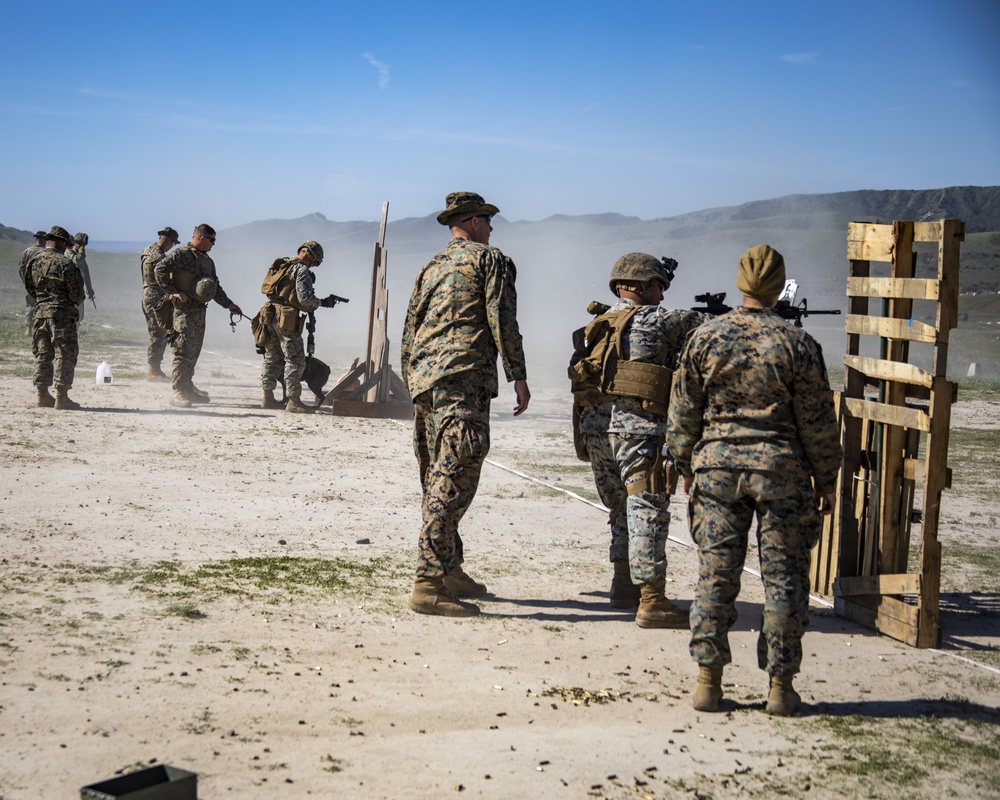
(762,272)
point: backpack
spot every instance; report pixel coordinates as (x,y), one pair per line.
(278,281)
(597,351)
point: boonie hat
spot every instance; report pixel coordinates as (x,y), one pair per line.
(170,233)
(465,203)
(39,234)
(59,233)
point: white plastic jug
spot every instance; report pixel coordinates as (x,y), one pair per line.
(103,373)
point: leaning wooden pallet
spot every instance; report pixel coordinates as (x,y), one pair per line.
(890,409)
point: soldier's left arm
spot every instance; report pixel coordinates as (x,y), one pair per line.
(685,412)
(501,313)
(74,282)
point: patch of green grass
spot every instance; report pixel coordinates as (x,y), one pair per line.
(184,610)
(972,455)
(201,649)
(241,653)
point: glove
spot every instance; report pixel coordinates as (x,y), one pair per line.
(328,301)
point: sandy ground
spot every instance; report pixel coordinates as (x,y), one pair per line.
(111,659)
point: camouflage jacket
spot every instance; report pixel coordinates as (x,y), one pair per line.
(150,257)
(752,393)
(79,257)
(184,267)
(462,313)
(653,336)
(26,256)
(55,284)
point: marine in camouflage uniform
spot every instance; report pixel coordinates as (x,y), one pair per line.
(56,286)
(156,305)
(653,336)
(594,424)
(77,253)
(461,315)
(284,348)
(179,274)
(753,431)
(29,302)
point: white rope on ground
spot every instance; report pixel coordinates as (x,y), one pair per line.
(820,600)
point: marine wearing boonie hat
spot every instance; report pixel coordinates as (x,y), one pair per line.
(59,233)
(465,203)
(170,233)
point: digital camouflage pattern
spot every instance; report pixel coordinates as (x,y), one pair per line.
(751,413)
(647,512)
(29,301)
(56,286)
(451,439)
(462,313)
(654,335)
(187,265)
(723,506)
(753,393)
(594,422)
(285,349)
(152,297)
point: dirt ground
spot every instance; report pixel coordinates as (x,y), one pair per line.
(223,589)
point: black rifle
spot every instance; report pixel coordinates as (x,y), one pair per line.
(715,304)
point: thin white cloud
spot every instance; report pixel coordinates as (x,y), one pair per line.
(800,58)
(383,69)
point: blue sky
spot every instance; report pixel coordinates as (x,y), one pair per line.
(143,114)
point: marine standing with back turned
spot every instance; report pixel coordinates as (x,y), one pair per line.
(462,314)
(753,432)
(156,305)
(22,264)
(77,253)
(188,276)
(54,283)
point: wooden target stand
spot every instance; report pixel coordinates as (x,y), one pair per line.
(890,411)
(372,388)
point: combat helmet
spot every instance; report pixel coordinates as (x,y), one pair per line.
(635,268)
(315,250)
(204,290)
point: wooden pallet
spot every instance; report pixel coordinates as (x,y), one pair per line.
(892,409)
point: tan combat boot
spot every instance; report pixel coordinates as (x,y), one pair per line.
(783,700)
(430,597)
(624,593)
(294,405)
(708,689)
(269,401)
(45,400)
(194,391)
(180,399)
(655,611)
(63,402)
(460,584)
(155,375)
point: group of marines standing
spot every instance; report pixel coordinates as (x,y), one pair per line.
(738,405)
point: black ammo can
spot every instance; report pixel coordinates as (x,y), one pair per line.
(161,782)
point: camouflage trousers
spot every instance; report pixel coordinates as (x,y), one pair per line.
(283,350)
(151,299)
(608,479)
(451,438)
(647,511)
(56,347)
(722,508)
(29,314)
(188,336)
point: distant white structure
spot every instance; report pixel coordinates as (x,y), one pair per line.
(972,370)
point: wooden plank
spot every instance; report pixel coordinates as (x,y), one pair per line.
(912,288)
(889,370)
(355,374)
(888,414)
(361,408)
(908,329)
(872,618)
(927,231)
(869,242)
(877,585)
